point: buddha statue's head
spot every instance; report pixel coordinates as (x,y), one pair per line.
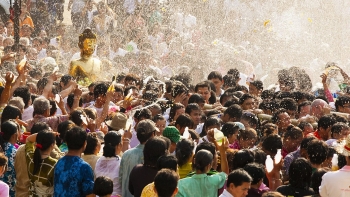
(87,42)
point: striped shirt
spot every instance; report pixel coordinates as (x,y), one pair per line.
(42,181)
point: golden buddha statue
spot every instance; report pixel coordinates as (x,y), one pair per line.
(86,68)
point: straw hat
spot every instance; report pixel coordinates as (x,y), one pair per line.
(344,147)
(118,121)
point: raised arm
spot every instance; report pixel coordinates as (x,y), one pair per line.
(5,96)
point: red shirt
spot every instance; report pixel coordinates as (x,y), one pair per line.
(316,134)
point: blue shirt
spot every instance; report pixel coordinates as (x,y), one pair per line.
(73,177)
(9,177)
(129,160)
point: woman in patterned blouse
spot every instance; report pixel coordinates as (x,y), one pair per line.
(8,137)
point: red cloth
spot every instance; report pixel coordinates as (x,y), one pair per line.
(316,134)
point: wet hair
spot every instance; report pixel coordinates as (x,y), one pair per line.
(316,179)
(75,138)
(338,127)
(303,104)
(229,81)
(234,111)
(202,159)
(184,150)
(3,159)
(87,34)
(10,112)
(165,182)
(211,121)
(215,75)
(192,107)
(103,186)
(143,114)
(317,151)
(326,121)
(259,156)
(24,93)
(38,127)
(91,143)
(62,128)
(289,104)
(178,88)
(173,109)
(196,98)
(341,101)
(272,143)
(238,177)
(133,77)
(91,113)
(154,148)
(229,128)
(293,133)
(206,146)
(242,158)
(267,94)
(258,84)
(256,171)
(65,79)
(269,105)
(275,117)
(300,171)
(70,101)
(111,139)
(44,141)
(268,129)
(244,98)
(305,142)
(8,128)
(234,72)
(247,134)
(75,116)
(99,89)
(167,161)
(252,119)
(184,120)
(202,85)
(53,108)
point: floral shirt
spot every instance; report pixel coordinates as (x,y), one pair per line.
(9,177)
(73,177)
(64,147)
(52,121)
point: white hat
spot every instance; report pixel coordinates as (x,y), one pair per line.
(344,147)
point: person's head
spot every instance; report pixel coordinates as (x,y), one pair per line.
(340,131)
(41,107)
(209,147)
(247,138)
(103,186)
(203,88)
(132,80)
(242,158)
(304,108)
(183,121)
(142,114)
(113,144)
(196,98)
(231,131)
(268,129)
(300,171)
(342,104)
(316,179)
(256,171)
(184,151)
(325,124)
(235,74)
(9,133)
(45,140)
(271,143)
(154,148)
(10,112)
(100,91)
(292,139)
(62,129)
(246,102)
(281,118)
(256,87)
(272,194)
(216,78)
(76,139)
(145,130)
(24,93)
(232,114)
(195,112)
(238,183)
(93,145)
(290,106)
(167,161)
(210,123)
(18,102)
(3,163)
(175,111)
(317,152)
(317,107)
(87,42)
(250,120)
(160,122)
(304,144)
(165,183)
(203,161)
(173,134)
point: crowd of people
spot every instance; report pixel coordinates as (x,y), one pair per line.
(161,119)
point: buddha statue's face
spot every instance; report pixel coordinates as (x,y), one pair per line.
(89,46)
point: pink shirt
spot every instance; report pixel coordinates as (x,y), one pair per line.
(4,189)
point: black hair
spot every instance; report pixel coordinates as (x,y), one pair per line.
(326,121)
(8,128)
(268,129)
(316,179)
(3,159)
(173,109)
(65,79)
(150,95)
(75,138)
(303,104)
(293,133)
(42,83)
(75,116)
(167,161)
(304,124)
(234,111)
(234,72)
(206,146)
(300,171)
(143,135)
(210,121)
(165,182)
(196,98)
(158,117)
(259,156)
(202,159)
(242,158)
(267,95)
(90,113)
(305,142)
(10,112)
(44,140)
(272,143)
(317,151)
(154,148)
(341,101)
(252,119)
(38,127)
(143,114)
(53,108)
(212,98)
(229,128)
(192,107)
(62,129)
(269,105)
(247,134)
(338,127)
(70,101)
(111,139)
(24,93)
(184,150)
(91,143)
(178,88)
(238,177)
(256,171)
(103,186)
(289,104)
(184,120)
(275,119)
(258,84)
(244,98)
(229,81)
(215,75)
(99,89)
(202,85)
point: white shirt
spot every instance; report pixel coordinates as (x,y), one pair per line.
(109,166)
(336,183)
(226,194)
(27,113)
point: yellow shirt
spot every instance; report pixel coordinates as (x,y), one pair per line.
(185,169)
(148,191)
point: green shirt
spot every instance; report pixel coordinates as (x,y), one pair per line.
(201,185)
(42,181)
